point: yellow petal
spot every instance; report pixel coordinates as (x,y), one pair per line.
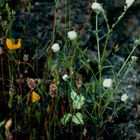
(35,97)
(11,45)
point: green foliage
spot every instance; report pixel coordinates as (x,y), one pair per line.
(58,103)
(2,3)
(78,100)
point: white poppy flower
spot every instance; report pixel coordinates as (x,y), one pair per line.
(107,83)
(72,35)
(124,97)
(55,47)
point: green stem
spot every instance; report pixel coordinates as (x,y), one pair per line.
(109,32)
(99,61)
(127,60)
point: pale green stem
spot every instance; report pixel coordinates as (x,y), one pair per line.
(109,32)
(127,60)
(99,61)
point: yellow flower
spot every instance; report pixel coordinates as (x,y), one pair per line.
(13,46)
(35,97)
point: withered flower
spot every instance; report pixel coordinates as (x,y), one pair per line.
(79,82)
(71,73)
(11,91)
(32,83)
(53,89)
(21,79)
(110,119)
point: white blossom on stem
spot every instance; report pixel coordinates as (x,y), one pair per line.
(107,83)
(65,77)
(124,97)
(96,7)
(72,35)
(55,47)
(129,3)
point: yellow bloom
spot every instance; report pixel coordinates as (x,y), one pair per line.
(13,46)
(35,97)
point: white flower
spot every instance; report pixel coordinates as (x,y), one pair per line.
(55,47)
(129,3)
(65,77)
(124,97)
(72,35)
(107,83)
(97,7)
(134,58)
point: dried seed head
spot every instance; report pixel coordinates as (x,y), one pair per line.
(71,73)
(53,89)
(110,119)
(11,91)
(79,82)
(21,79)
(31,83)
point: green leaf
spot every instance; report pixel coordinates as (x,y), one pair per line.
(29,6)
(66,118)
(79,102)
(78,118)
(10,101)
(7,8)
(73,95)
(2,3)
(2,123)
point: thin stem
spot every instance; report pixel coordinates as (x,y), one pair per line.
(127,60)
(97,39)
(54,24)
(119,18)
(99,62)
(110,30)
